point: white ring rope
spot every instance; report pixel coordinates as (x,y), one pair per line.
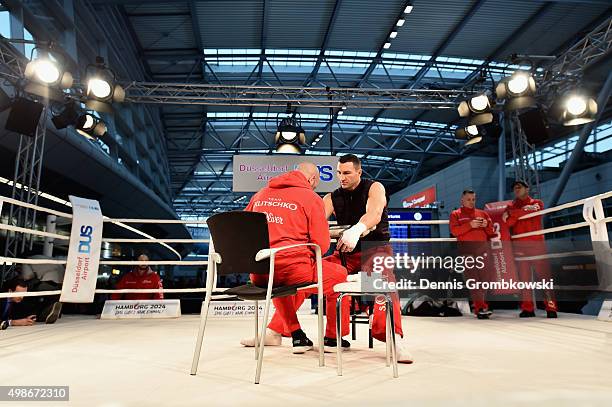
(555,255)
(135,220)
(147,236)
(36,207)
(113,240)
(120,291)
(418,222)
(110,262)
(12,228)
(423,239)
(164,242)
(69,216)
(566,205)
(552,230)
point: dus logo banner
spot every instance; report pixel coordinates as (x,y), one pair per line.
(84,251)
(252,172)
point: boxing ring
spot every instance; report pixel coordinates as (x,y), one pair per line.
(136,362)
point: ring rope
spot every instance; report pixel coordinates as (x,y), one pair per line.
(119,291)
(113,240)
(566,205)
(12,228)
(109,262)
(552,230)
(69,216)
(555,255)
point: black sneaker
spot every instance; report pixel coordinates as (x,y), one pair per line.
(527,314)
(483,313)
(301,345)
(330,345)
(4,325)
(551,314)
(56,310)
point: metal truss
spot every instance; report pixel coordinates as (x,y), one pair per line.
(26,185)
(567,68)
(279,96)
(523,156)
(12,63)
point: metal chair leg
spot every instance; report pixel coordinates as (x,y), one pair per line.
(256,329)
(198,347)
(261,341)
(387,335)
(393,343)
(339,333)
(353,319)
(320,329)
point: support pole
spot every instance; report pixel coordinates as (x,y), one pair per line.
(585,132)
(501,161)
(51,228)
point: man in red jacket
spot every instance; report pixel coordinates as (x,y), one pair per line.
(469,224)
(140,277)
(529,246)
(296,215)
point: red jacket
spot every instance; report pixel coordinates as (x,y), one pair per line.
(520,207)
(460,227)
(296,214)
(134,280)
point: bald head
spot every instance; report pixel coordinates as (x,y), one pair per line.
(311,172)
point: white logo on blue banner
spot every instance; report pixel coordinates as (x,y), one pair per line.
(252,172)
(84,251)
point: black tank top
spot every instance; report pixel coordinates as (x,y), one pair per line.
(350,206)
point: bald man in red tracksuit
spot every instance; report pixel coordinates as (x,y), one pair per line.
(529,246)
(469,224)
(296,215)
(142,277)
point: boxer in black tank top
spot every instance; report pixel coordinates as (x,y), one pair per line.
(362,205)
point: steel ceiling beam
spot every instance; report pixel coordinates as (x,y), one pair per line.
(324,44)
(449,38)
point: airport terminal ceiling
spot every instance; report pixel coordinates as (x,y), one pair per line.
(440,45)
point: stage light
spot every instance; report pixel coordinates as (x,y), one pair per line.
(518,90)
(479,103)
(518,84)
(102,87)
(477,109)
(387,45)
(393,34)
(68,116)
(579,109)
(289,134)
(90,126)
(46,77)
(576,105)
(400,22)
(471,134)
(46,71)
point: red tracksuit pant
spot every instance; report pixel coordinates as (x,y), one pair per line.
(478,295)
(290,272)
(474,249)
(541,270)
